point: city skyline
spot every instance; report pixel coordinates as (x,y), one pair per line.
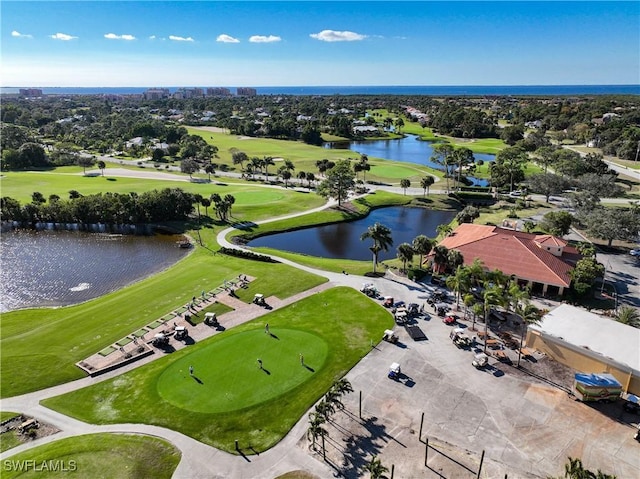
(98,43)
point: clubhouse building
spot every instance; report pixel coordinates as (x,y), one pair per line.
(542,262)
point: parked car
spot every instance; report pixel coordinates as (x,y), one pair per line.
(635,252)
(451,319)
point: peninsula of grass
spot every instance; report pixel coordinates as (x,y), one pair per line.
(116,456)
(229,397)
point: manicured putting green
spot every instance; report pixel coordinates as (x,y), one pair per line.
(227,377)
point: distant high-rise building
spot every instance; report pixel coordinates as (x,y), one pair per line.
(30,92)
(182,93)
(246,91)
(218,91)
(156,94)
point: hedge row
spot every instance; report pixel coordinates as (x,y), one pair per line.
(240,253)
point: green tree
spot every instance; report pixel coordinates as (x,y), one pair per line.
(613,223)
(444,230)
(239,157)
(454,259)
(382,240)
(440,258)
(315,429)
(492,296)
(375,469)
(443,155)
(206,202)
(462,158)
(339,182)
(404,184)
(405,253)
(209,169)
(557,223)
(422,246)
(508,168)
(584,275)
(459,282)
(547,184)
(529,315)
(267,161)
(468,214)
(86,161)
(189,166)
(425,183)
(102,165)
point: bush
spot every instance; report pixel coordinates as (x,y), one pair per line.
(240,253)
(416,274)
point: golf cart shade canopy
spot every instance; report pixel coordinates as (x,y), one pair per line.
(597,380)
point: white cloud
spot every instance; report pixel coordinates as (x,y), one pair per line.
(152,37)
(113,36)
(264,39)
(180,39)
(335,36)
(63,36)
(20,35)
(224,38)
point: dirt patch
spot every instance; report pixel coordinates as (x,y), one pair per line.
(37,429)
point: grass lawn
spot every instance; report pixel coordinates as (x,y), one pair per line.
(112,456)
(332,329)
(48,341)
(8,439)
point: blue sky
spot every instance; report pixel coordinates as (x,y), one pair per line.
(238,43)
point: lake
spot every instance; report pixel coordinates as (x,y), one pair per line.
(58,268)
(342,240)
(409,149)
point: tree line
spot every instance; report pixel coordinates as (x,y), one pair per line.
(168,204)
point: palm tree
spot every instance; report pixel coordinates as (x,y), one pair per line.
(444,230)
(102,165)
(376,469)
(399,123)
(468,300)
(426,182)
(476,270)
(442,154)
(628,315)
(516,295)
(209,170)
(492,297)
(267,161)
(478,310)
(310,177)
(440,255)
(333,397)
(421,245)
(529,315)
(381,236)
(315,429)
(342,386)
(454,259)
(206,202)
(325,409)
(285,174)
(301,176)
(405,253)
(404,184)
(460,282)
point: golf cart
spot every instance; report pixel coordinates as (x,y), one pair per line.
(370,290)
(400,316)
(388,302)
(160,340)
(389,336)
(480,360)
(210,319)
(460,339)
(259,299)
(451,319)
(413,310)
(181,333)
(394,372)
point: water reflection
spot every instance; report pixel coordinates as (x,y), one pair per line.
(342,240)
(410,149)
(56,268)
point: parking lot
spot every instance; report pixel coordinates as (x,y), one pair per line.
(526,426)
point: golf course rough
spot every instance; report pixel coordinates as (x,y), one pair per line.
(227,376)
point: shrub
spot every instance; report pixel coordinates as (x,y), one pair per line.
(240,253)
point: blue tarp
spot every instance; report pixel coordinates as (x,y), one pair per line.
(597,380)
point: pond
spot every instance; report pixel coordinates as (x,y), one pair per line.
(59,268)
(342,240)
(410,149)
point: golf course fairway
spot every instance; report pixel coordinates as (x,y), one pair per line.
(227,376)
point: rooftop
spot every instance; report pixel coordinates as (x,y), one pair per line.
(602,336)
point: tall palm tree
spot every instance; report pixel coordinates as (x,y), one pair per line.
(382,240)
(516,295)
(454,259)
(426,182)
(376,469)
(440,255)
(492,297)
(529,315)
(267,161)
(444,230)
(405,253)
(442,154)
(315,429)
(404,184)
(421,245)
(468,300)
(477,272)
(301,176)
(478,310)
(460,282)
(628,315)
(343,386)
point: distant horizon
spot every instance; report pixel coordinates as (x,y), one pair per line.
(319,43)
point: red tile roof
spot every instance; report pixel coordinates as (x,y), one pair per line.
(514,253)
